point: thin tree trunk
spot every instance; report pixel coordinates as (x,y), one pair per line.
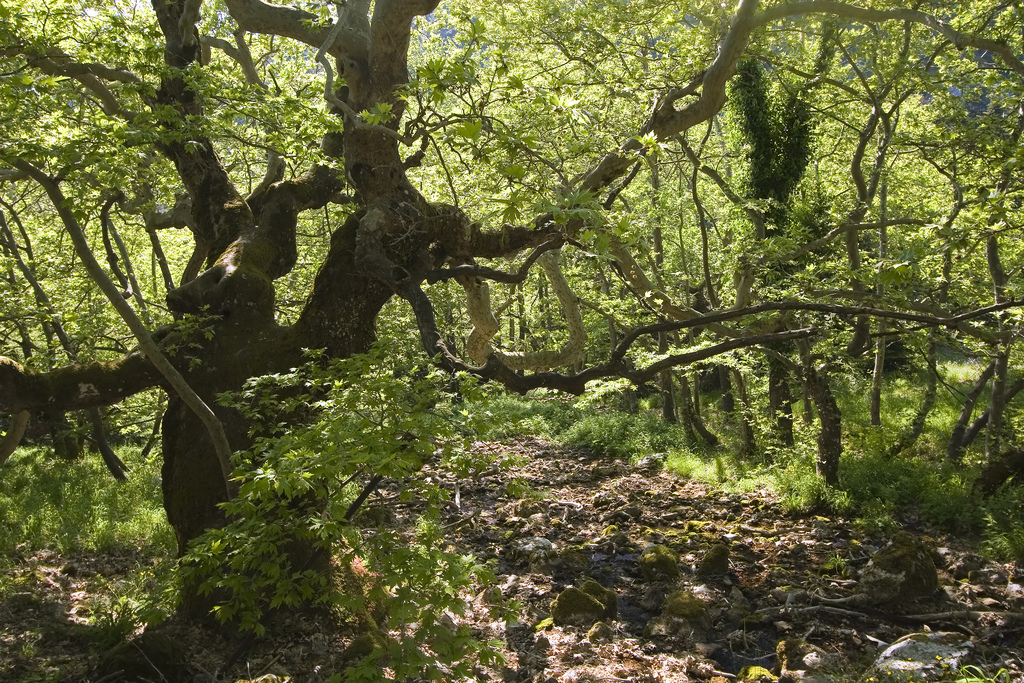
(876,375)
(154,435)
(65,445)
(982,420)
(955,448)
(668,402)
(911,435)
(804,351)
(710,438)
(995,421)
(161,260)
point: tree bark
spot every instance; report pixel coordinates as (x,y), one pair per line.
(749,446)
(830,438)
(780,401)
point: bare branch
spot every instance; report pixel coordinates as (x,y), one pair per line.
(190,15)
(57,63)
(443,274)
(485,327)
(872,16)
(832,234)
(335,101)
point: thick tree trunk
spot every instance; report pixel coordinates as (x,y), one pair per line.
(830,438)
(780,401)
(998,472)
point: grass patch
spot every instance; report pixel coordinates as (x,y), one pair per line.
(512,415)
(67,506)
(581,423)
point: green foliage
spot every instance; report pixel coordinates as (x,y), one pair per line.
(580,423)
(778,138)
(974,674)
(68,506)
(622,435)
(512,415)
(121,608)
(371,415)
(1003,527)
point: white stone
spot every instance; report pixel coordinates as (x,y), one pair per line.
(921,657)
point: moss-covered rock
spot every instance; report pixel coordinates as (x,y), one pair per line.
(683,614)
(715,561)
(606,596)
(659,563)
(572,563)
(755,674)
(573,607)
(902,570)
(686,605)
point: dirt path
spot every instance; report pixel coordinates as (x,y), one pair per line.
(788,579)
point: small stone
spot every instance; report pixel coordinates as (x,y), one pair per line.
(653,598)
(963,566)
(572,562)
(992,577)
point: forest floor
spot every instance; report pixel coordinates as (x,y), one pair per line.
(789,578)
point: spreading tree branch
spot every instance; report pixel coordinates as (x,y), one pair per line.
(146,342)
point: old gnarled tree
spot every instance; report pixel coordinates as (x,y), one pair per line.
(391,240)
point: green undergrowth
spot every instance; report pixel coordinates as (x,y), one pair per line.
(605,431)
(66,506)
